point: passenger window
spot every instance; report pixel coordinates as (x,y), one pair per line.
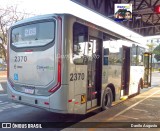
(137,55)
(134,55)
(141,51)
(80,41)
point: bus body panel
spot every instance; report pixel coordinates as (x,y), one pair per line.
(136,74)
(39,101)
(114,68)
(26,98)
(114,77)
(80,90)
(77,86)
(72,96)
(33,70)
(37,72)
(70,67)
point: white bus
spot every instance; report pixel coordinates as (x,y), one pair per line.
(65,64)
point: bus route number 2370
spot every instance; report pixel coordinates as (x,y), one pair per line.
(76,76)
(20,59)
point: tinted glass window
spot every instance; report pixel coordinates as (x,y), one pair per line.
(137,55)
(112,51)
(32,35)
(80,43)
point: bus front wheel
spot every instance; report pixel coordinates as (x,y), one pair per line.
(107,98)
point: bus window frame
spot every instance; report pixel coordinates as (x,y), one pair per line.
(35,48)
(73,48)
(138,50)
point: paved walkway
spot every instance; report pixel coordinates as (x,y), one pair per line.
(136,111)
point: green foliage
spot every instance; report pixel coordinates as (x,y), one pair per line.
(156,51)
(151,47)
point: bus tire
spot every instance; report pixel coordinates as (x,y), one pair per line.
(107,99)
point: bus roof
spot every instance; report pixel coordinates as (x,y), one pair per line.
(50,16)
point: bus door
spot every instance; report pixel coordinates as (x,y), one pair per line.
(94,70)
(125,70)
(147,69)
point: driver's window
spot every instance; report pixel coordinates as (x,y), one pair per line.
(80,40)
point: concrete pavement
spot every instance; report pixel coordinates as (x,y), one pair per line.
(135,111)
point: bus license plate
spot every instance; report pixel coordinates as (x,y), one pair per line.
(29,91)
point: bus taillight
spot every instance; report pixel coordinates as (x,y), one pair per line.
(46,103)
(57,86)
(13,96)
(71,100)
(28,50)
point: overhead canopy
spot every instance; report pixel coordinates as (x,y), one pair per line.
(145,20)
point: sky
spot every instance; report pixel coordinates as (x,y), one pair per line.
(35,6)
(39,7)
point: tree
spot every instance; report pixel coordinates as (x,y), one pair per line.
(151,47)
(156,51)
(8,16)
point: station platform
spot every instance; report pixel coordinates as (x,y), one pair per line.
(135,112)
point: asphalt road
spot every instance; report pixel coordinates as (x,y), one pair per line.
(15,112)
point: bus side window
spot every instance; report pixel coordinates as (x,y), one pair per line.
(80,44)
(105,56)
(134,57)
(137,55)
(140,55)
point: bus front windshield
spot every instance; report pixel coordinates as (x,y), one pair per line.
(33,35)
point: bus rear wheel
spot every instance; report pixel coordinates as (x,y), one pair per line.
(107,99)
